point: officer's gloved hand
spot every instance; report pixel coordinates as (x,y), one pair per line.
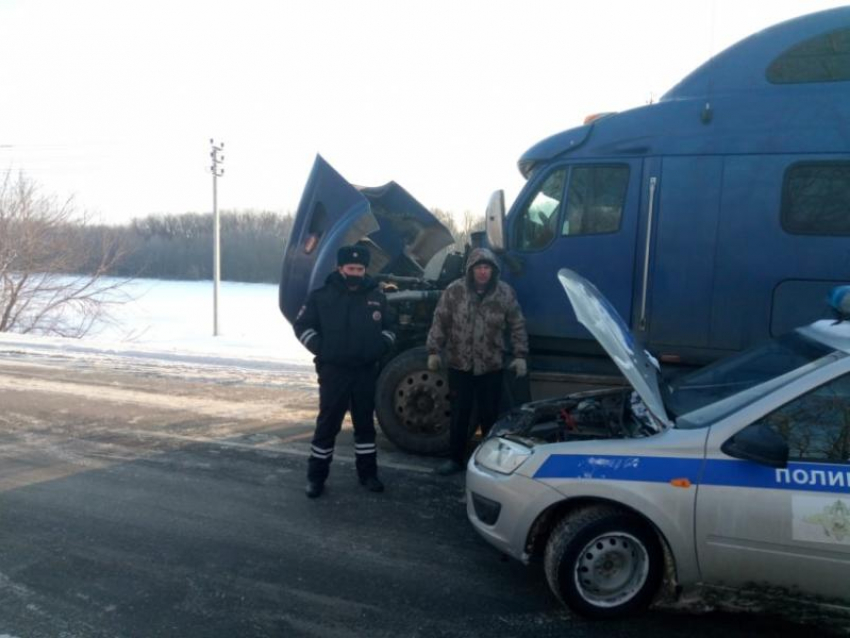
(519,366)
(434,362)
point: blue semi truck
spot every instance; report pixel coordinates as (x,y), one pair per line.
(714,219)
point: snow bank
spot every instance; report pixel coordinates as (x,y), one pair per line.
(169,323)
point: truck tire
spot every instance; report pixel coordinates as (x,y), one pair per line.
(603,562)
(412,404)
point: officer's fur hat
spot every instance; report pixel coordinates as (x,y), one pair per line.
(352,255)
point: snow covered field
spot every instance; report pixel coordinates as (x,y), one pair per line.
(168,325)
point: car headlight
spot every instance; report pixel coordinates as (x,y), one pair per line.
(501,455)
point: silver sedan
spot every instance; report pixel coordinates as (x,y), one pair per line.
(736,475)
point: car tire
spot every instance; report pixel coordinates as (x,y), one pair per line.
(412,404)
(603,562)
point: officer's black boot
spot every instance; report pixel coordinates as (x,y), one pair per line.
(318,469)
(314,489)
(372,483)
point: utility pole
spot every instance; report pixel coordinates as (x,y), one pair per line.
(216,173)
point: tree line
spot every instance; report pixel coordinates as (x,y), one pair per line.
(60,273)
(181,246)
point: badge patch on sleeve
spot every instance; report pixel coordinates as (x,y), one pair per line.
(376,315)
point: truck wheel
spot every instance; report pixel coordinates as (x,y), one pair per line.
(604,563)
(412,404)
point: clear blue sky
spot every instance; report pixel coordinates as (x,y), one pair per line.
(114,102)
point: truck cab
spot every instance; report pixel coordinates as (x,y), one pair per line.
(712,220)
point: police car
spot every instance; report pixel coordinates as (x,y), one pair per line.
(735,475)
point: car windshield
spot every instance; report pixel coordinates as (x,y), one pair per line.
(741,372)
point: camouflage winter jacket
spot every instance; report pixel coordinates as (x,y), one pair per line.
(470,327)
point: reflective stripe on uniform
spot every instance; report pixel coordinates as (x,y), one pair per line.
(307,335)
(321,453)
(365,448)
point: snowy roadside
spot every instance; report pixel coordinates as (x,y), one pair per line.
(166,331)
(209,361)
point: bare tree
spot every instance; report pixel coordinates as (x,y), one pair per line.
(51,281)
(461,229)
(472,223)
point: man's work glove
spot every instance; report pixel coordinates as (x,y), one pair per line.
(519,366)
(434,362)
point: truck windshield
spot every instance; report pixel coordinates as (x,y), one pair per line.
(741,372)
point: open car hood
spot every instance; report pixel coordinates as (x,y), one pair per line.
(401,233)
(596,314)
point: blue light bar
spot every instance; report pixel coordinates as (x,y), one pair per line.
(839,301)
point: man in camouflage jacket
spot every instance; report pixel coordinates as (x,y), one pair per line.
(469,327)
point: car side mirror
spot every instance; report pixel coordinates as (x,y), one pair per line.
(758,443)
(494,221)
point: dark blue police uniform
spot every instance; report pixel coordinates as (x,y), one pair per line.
(345,327)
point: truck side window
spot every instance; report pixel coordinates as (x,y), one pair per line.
(816,199)
(537,224)
(824,58)
(817,424)
(595,200)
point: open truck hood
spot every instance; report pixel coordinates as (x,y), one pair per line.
(401,233)
(596,314)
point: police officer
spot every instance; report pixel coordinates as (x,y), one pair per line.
(343,323)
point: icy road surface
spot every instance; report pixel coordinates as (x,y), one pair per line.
(161,494)
(151,484)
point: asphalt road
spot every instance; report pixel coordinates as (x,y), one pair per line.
(147,505)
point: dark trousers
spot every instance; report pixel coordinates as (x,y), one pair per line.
(344,389)
(466,390)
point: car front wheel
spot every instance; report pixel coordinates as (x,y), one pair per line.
(603,562)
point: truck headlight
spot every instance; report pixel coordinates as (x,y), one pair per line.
(501,455)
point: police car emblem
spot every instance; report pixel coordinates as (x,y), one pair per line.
(835,520)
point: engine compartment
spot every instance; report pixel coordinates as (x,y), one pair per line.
(601,414)
(411,300)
